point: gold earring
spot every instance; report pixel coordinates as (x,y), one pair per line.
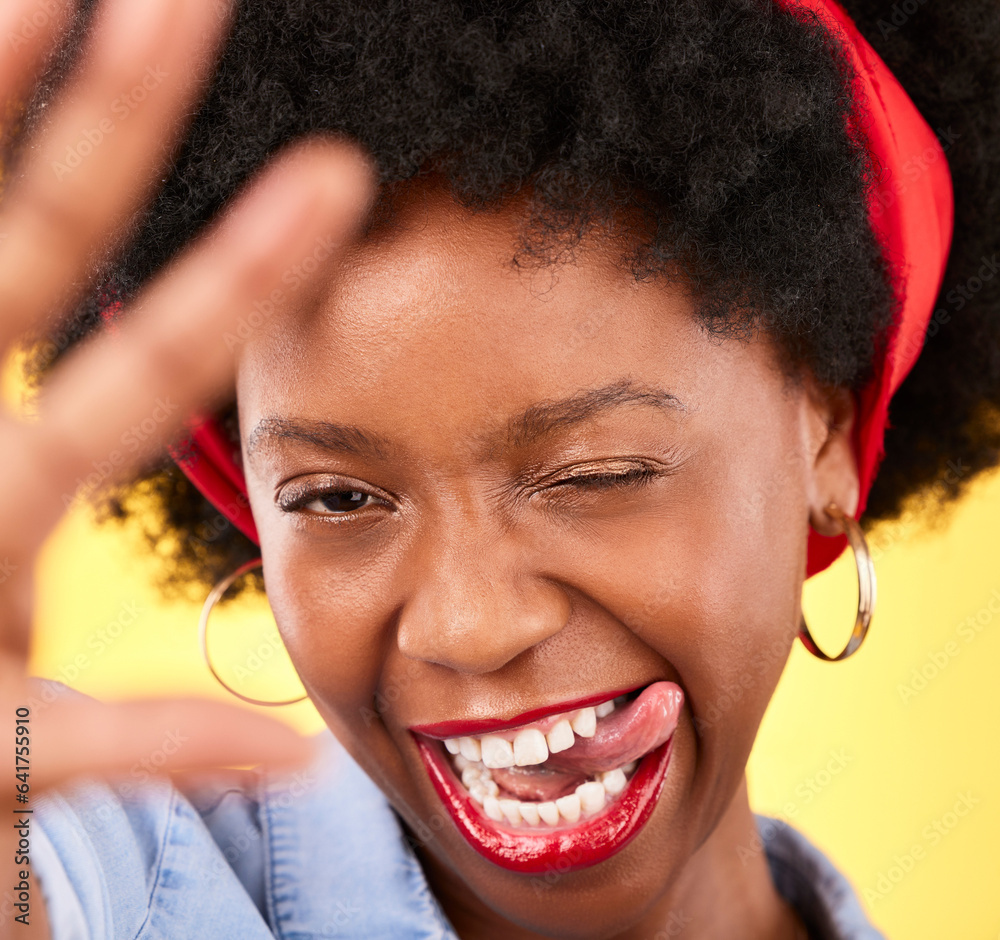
(866,590)
(213,598)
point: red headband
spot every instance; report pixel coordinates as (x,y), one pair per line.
(910,210)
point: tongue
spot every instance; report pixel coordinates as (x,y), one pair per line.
(533,784)
(628,733)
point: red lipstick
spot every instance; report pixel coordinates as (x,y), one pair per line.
(641,730)
(456,729)
(537,852)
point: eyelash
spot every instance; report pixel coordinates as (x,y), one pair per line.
(297,503)
(635,477)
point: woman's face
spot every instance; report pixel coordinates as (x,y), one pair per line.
(484,491)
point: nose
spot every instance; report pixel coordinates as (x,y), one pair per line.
(475,606)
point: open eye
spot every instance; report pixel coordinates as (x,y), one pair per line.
(339,501)
(329,501)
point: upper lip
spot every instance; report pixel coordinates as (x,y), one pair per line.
(479,726)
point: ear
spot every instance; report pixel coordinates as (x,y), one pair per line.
(833,477)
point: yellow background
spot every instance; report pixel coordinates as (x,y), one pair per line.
(846,754)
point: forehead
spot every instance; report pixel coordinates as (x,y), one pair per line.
(432,326)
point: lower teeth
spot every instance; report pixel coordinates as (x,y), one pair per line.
(589,798)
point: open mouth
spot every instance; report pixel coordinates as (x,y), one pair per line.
(557,789)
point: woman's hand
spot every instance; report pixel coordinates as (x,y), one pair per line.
(82,176)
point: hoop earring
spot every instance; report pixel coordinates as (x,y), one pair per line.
(866,590)
(213,598)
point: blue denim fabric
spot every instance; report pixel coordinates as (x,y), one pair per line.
(316,854)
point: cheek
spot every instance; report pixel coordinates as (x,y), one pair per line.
(710,581)
(331,622)
(734,595)
(336,617)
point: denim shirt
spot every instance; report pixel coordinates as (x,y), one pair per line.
(319,853)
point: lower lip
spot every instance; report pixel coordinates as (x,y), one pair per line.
(561,850)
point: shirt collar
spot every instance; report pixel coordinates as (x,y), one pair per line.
(337,862)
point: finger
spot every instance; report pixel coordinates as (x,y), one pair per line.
(27,30)
(143,738)
(173,352)
(17,595)
(94,162)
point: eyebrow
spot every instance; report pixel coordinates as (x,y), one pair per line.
(536,421)
(546,418)
(327,435)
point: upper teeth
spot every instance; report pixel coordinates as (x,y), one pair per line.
(560,737)
(585,723)
(470,748)
(498,752)
(529,746)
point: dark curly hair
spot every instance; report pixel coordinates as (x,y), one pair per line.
(725,123)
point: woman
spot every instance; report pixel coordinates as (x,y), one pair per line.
(536,468)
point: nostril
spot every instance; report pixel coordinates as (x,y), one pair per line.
(479,632)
